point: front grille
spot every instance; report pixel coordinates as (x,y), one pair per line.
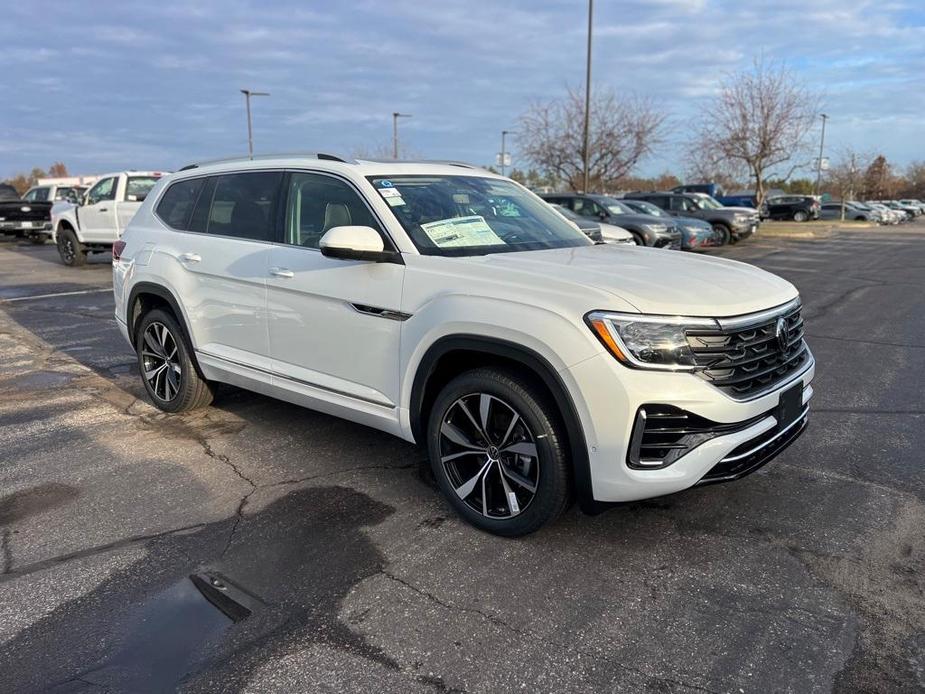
(748,360)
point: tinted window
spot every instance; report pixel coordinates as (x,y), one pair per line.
(176,205)
(104,190)
(138,187)
(38,195)
(318,203)
(244,205)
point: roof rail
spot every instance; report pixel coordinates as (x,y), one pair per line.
(445,162)
(289,155)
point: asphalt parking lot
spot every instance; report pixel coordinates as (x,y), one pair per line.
(807,576)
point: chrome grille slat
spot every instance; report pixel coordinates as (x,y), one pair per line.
(747,359)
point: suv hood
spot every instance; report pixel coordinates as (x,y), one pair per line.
(655,281)
(620,219)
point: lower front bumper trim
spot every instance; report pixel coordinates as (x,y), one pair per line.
(737,466)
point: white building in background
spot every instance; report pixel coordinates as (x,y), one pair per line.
(68,180)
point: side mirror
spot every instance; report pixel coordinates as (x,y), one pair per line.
(355,243)
(602,215)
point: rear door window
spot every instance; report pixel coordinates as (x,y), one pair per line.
(244,205)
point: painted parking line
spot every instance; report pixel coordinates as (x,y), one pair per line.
(33,297)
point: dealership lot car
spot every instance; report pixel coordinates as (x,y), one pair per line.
(696,234)
(648,230)
(452,307)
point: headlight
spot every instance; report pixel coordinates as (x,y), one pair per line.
(657,228)
(647,342)
(741,218)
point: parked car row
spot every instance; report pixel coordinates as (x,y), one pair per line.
(880,212)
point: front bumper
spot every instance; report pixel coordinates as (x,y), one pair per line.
(25,226)
(612,395)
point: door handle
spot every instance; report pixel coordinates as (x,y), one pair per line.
(104,209)
(285,273)
(190,257)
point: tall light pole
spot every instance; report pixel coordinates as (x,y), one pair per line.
(504,134)
(821,147)
(250,132)
(395,116)
(585,154)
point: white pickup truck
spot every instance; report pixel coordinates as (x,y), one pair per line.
(97,222)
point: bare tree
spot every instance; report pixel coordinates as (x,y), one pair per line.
(846,178)
(622,132)
(761,120)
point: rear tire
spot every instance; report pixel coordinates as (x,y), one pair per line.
(165,362)
(71,250)
(498,451)
(800,216)
(725,233)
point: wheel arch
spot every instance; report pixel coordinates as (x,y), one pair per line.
(146,296)
(454,354)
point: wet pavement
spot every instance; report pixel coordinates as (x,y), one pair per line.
(255,546)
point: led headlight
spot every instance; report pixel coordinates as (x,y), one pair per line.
(647,342)
(656,228)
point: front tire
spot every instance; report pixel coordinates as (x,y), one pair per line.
(498,451)
(71,250)
(800,216)
(166,365)
(725,233)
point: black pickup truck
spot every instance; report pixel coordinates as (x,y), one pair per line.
(23,218)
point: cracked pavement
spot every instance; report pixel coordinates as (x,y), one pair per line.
(808,576)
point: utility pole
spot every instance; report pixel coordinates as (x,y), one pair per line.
(821,147)
(504,134)
(584,150)
(395,116)
(250,132)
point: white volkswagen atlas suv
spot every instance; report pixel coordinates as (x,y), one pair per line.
(453,308)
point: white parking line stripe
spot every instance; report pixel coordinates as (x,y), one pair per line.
(51,296)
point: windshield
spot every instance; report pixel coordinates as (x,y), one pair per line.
(138,187)
(705,202)
(649,208)
(470,215)
(615,206)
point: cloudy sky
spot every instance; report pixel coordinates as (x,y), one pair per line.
(154,84)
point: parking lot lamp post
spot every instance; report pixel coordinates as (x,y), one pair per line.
(584,150)
(250,132)
(504,134)
(395,116)
(821,147)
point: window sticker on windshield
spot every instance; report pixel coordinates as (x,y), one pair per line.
(385,184)
(461,231)
(390,193)
(395,202)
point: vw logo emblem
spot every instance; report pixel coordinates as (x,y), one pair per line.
(780,332)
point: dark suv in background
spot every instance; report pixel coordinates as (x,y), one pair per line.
(799,208)
(733,223)
(648,230)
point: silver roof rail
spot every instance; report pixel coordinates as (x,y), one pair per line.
(289,155)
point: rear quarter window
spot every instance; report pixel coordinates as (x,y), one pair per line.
(176,204)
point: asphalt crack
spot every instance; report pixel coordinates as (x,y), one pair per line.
(527,633)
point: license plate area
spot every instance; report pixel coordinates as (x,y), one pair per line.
(790,405)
